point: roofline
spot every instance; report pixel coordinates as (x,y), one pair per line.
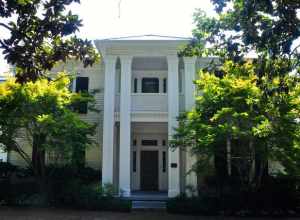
(125,38)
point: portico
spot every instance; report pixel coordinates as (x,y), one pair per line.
(146,87)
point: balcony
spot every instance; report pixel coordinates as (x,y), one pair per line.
(146,102)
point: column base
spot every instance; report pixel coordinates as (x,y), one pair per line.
(173,193)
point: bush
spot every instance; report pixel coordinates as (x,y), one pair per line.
(65,187)
(279,196)
(207,205)
(89,197)
(67,172)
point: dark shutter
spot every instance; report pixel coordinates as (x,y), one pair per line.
(82,85)
(165,85)
(164,158)
(135,85)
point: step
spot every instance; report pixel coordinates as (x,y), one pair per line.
(148,205)
(148,198)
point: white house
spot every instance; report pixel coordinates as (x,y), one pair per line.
(143,86)
(146,87)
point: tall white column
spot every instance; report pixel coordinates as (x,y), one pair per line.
(125,126)
(173,112)
(189,90)
(108,120)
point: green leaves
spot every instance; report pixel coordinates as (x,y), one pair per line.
(42,35)
(44,109)
(234,107)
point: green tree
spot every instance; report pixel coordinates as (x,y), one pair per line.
(269,29)
(41,33)
(232,120)
(43,111)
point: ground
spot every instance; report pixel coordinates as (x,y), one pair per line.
(55,214)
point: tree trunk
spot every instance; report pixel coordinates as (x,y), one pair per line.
(228,154)
(252,161)
(38,160)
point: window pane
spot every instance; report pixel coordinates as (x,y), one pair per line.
(150,85)
(149,142)
(82,84)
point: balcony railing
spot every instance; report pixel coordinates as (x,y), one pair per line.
(153,102)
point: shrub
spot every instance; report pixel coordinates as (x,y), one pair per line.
(279,196)
(207,205)
(76,194)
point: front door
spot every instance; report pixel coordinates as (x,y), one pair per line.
(149,170)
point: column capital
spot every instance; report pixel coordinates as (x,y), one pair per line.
(190,60)
(110,58)
(172,58)
(126,58)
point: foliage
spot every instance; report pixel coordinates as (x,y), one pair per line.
(41,33)
(265,26)
(268,28)
(67,187)
(75,194)
(247,109)
(41,111)
(195,205)
(67,172)
(279,196)
(233,119)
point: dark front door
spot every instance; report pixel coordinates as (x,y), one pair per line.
(149,170)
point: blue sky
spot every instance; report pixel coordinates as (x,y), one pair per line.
(137,17)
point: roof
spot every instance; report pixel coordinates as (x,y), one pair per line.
(150,37)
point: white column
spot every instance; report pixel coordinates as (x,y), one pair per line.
(125,126)
(189,90)
(173,112)
(108,120)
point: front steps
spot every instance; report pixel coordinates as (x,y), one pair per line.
(149,201)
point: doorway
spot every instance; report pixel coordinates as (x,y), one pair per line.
(149,170)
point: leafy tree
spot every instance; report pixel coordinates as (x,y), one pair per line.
(43,110)
(269,30)
(41,33)
(232,120)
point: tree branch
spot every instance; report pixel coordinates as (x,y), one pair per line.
(6,26)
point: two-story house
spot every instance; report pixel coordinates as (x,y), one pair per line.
(143,86)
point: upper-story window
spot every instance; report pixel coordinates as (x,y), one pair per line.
(150,85)
(82,85)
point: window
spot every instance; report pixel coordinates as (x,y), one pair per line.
(134,142)
(165,85)
(150,85)
(82,85)
(135,85)
(149,142)
(164,142)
